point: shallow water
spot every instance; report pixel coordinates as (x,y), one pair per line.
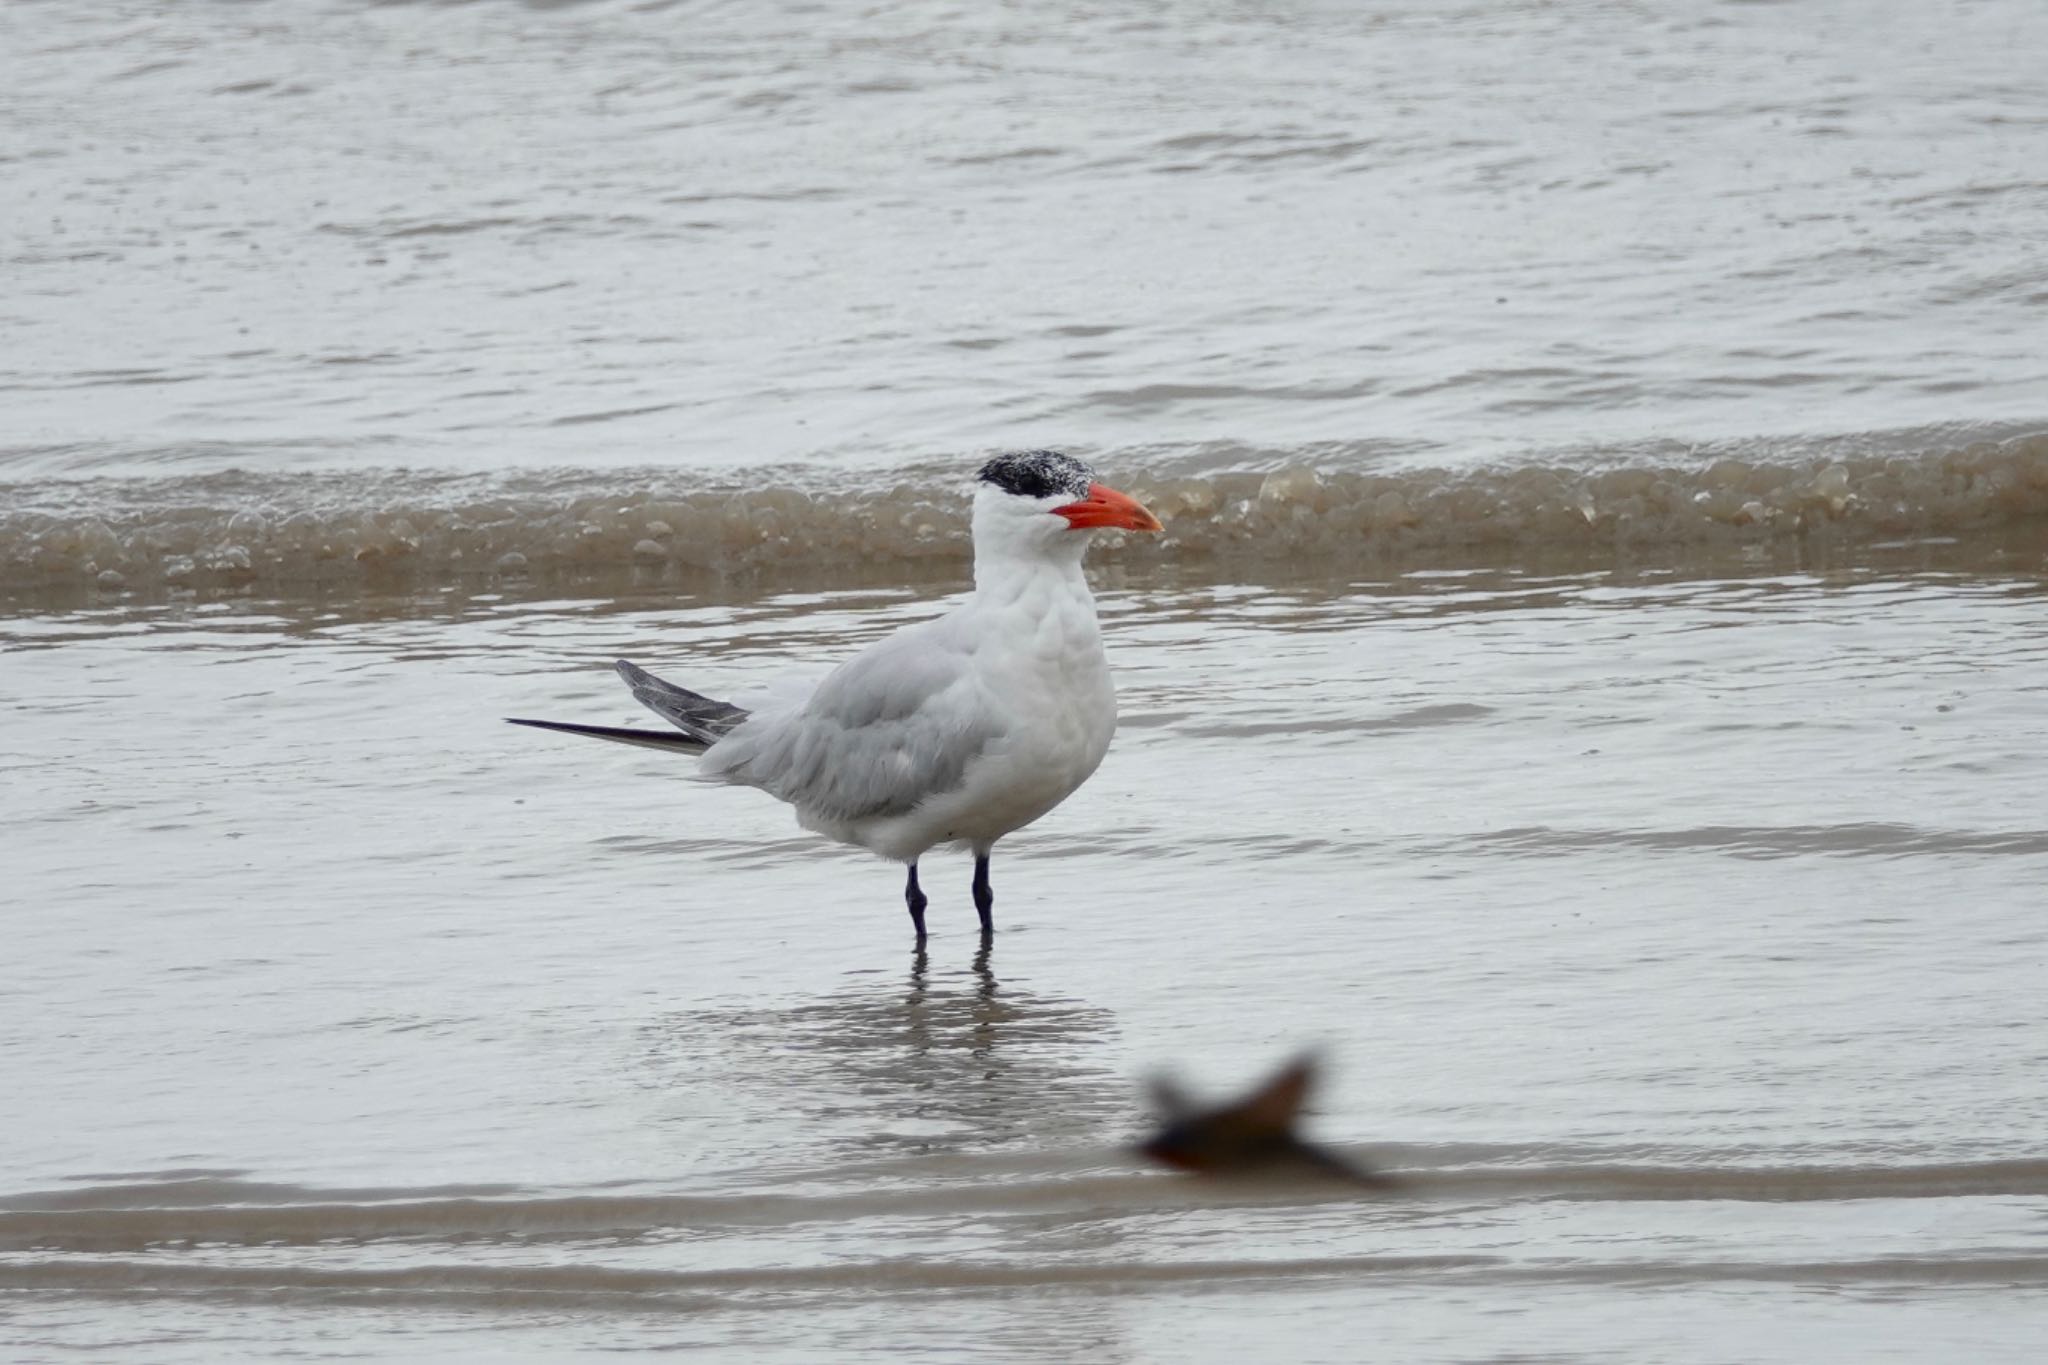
(1590,683)
(1672,938)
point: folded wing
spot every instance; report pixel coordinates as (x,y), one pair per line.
(894,726)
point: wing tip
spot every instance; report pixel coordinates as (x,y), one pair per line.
(565,727)
(651,739)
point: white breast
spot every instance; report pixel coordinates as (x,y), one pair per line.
(1044,676)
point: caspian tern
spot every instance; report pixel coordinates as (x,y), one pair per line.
(953,731)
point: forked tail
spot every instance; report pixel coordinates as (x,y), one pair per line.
(702,720)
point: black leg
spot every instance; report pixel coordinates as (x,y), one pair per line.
(914,898)
(984,894)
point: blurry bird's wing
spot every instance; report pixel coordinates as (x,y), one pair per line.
(1168,1099)
(1277,1104)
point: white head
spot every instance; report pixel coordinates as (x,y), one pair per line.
(1043,504)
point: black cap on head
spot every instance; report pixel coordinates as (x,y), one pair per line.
(1038,474)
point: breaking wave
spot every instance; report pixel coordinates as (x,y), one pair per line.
(239,529)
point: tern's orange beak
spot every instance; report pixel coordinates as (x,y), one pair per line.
(1104,506)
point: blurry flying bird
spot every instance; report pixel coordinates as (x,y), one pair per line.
(953,731)
(1253,1135)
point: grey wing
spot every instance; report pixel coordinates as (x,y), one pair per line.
(891,727)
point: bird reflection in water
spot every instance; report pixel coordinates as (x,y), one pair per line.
(938,1061)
